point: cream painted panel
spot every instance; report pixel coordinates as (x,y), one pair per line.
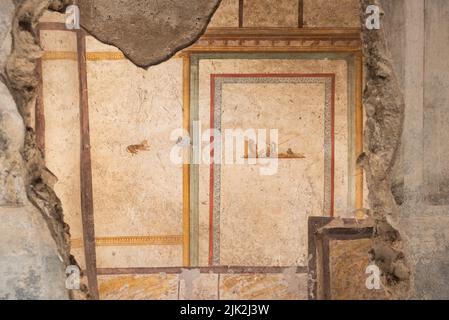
(52,16)
(270,13)
(135,194)
(93,45)
(62,136)
(339,67)
(56,40)
(331,13)
(227,15)
(264,218)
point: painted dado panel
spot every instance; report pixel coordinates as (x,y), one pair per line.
(248,219)
(205,286)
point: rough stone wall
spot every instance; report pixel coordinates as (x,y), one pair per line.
(417,34)
(34,237)
(32,262)
(406,100)
(384,107)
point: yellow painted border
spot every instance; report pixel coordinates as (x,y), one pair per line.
(186,165)
(60,55)
(131,241)
(90,56)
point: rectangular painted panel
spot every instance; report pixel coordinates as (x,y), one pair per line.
(253,222)
(262,215)
(137,189)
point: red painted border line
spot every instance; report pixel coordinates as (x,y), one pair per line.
(205,270)
(87,210)
(212,126)
(39,121)
(211,176)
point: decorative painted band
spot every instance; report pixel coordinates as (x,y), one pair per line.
(169,240)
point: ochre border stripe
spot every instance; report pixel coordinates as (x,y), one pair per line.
(90,56)
(60,55)
(186,164)
(97,56)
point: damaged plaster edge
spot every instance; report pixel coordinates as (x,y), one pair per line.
(61,5)
(168,56)
(383,102)
(20,77)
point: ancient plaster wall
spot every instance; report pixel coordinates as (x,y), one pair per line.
(423,225)
(418,40)
(62,150)
(135,194)
(140,194)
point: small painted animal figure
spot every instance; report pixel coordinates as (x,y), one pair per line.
(136,148)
